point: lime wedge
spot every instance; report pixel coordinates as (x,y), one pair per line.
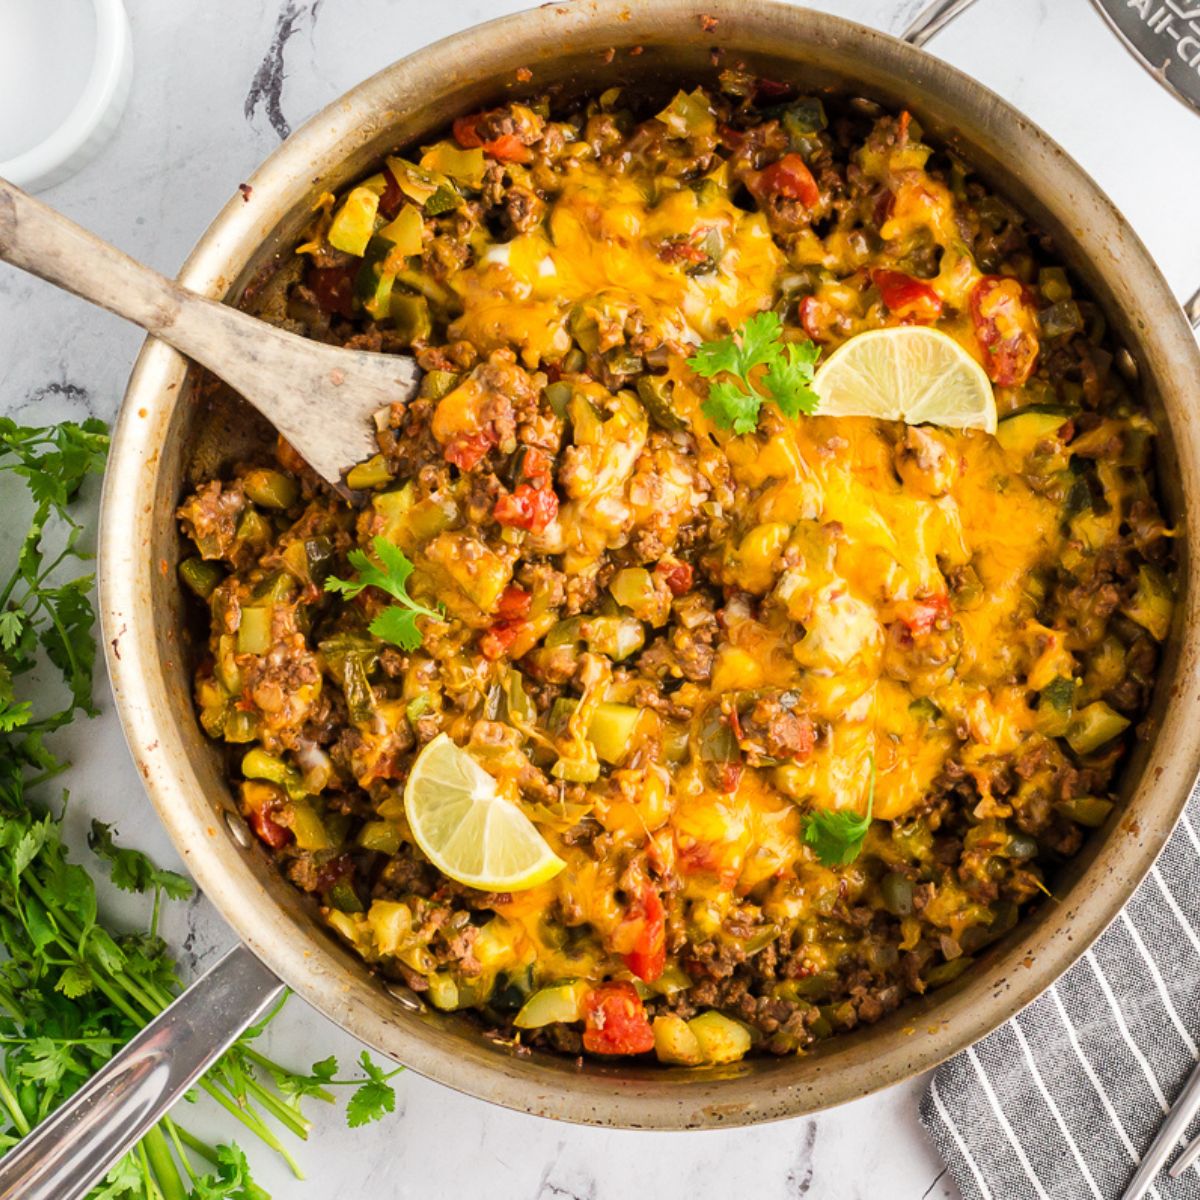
(467,830)
(906,373)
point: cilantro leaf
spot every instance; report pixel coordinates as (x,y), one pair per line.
(731,407)
(373,1099)
(133,871)
(789,379)
(734,403)
(397,623)
(232,1180)
(838,837)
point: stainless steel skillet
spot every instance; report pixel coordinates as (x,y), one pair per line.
(161,426)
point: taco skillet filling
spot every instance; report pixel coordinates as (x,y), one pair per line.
(811,712)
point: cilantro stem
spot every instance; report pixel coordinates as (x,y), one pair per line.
(15,1113)
(166,1174)
(298,1124)
(175,1134)
(193,1143)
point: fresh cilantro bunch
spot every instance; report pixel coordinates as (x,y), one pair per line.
(398,622)
(838,837)
(733,403)
(72,990)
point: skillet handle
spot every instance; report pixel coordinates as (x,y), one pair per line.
(931,20)
(66,1155)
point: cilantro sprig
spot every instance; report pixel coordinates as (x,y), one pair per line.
(73,990)
(398,622)
(735,398)
(838,836)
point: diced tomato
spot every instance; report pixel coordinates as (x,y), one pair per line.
(392,197)
(466,131)
(334,288)
(812,314)
(734,139)
(731,776)
(676,575)
(771,90)
(615,1021)
(527,508)
(920,616)
(1006,325)
(790,178)
(499,639)
(884,206)
(536,468)
(508,148)
(649,954)
(514,604)
(268,829)
(466,452)
(906,296)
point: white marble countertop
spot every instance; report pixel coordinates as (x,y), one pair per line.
(215,87)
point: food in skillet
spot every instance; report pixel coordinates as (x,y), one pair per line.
(646,705)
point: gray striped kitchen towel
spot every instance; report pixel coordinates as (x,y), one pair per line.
(1060,1103)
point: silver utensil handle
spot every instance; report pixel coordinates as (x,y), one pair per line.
(1173,1128)
(65,1155)
(931,20)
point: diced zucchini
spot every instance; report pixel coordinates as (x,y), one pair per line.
(381,836)
(656,393)
(443,991)
(688,115)
(1086,810)
(306,825)
(344,898)
(354,223)
(633,588)
(370,474)
(254,630)
(1093,726)
(240,727)
(722,1039)
(1020,432)
(1152,603)
(410,316)
(1053,284)
(562,1002)
(391,925)
(258,764)
(253,528)
(675,1042)
(615,637)
(463,166)
(610,731)
(404,232)
(201,577)
(270,488)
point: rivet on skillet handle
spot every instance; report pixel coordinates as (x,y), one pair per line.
(65,1156)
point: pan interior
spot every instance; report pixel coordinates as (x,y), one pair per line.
(175,428)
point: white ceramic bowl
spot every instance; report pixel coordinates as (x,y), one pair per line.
(94,117)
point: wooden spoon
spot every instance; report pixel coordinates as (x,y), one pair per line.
(321,398)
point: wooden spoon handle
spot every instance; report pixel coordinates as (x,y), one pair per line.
(319,397)
(43,242)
